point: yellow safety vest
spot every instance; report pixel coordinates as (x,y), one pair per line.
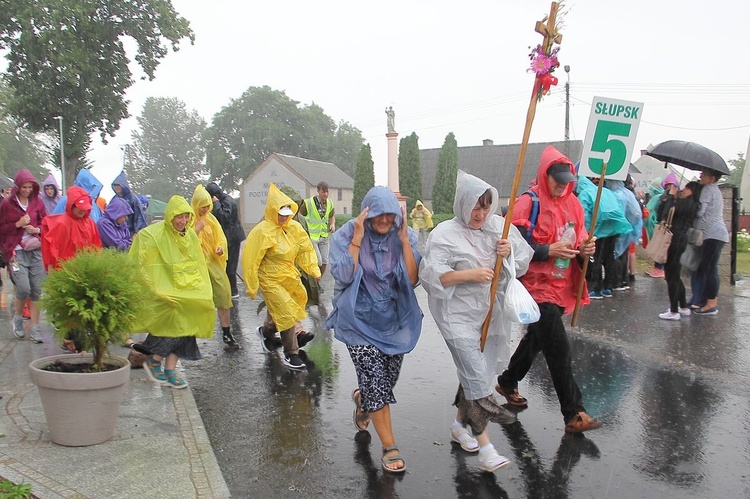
(316,226)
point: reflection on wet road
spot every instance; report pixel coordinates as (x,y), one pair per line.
(674,396)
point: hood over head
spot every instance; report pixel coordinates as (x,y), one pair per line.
(79,198)
(277,199)
(381,200)
(468,191)
(89,183)
(177,205)
(22,177)
(671,178)
(214,189)
(122,181)
(117,208)
(50,180)
(201,198)
(551,156)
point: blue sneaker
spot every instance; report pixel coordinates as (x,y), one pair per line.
(595,295)
(710,311)
(607,293)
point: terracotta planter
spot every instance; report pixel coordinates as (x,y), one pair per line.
(80,409)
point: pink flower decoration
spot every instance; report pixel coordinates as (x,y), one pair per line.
(541,64)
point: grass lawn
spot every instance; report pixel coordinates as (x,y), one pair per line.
(743,263)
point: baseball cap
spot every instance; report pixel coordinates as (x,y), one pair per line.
(561,173)
(83,204)
(286,211)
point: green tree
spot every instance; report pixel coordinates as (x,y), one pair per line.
(67,58)
(364,178)
(167,153)
(736,168)
(444,189)
(409,170)
(264,121)
(19,148)
(347,142)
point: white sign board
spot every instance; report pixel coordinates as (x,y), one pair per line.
(610,137)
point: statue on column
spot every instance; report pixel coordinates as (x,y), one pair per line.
(391,119)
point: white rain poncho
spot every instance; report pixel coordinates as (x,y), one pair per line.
(460,310)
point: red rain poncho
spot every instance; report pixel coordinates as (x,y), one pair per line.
(554,215)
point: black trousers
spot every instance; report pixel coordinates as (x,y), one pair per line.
(548,335)
(233,258)
(672,270)
(603,263)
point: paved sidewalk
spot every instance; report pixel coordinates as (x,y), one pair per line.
(160,447)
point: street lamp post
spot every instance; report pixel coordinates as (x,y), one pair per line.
(567,111)
(62,152)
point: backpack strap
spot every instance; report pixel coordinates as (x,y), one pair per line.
(534,215)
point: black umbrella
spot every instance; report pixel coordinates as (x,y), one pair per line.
(689,155)
(5,182)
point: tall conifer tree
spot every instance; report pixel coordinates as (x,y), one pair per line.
(445,179)
(364,177)
(410,170)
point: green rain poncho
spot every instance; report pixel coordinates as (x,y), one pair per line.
(211,237)
(173,266)
(268,262)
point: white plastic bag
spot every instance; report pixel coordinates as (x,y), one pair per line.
(519,305)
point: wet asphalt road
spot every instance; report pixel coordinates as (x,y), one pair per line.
(674,396)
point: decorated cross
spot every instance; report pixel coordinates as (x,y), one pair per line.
(549,30)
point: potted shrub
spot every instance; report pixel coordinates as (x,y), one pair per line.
(96,297)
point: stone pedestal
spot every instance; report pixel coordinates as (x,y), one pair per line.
(393,166)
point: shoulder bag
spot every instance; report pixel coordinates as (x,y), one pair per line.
(658,246)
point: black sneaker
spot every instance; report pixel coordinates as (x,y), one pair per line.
(267,344)
(304,338)
(230,341)
(293,361)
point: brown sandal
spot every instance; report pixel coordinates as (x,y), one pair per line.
(582,422)
(361,418)
(512,396)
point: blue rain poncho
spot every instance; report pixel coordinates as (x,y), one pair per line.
(633,213)
(172,264)
(610,221)
(375,304)
(88,182)
(459,311)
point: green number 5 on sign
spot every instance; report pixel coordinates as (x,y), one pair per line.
(605,139)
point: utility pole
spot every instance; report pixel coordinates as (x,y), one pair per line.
(567,111)
(62,153)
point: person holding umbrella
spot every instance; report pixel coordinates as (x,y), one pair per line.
(704,282)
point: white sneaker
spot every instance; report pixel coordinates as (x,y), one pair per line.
(18,327)
(670,316)
(490,460)
(36,334)
(461,436)
(684,311)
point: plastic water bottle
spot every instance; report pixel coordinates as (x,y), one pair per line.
(561,264)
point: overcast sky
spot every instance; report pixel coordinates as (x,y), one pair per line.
(461,67)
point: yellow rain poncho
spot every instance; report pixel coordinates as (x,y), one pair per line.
(420,219)
(268,262)
(211,237)
(173,265)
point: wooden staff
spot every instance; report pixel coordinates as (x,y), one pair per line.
(550,35)
(592,226)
